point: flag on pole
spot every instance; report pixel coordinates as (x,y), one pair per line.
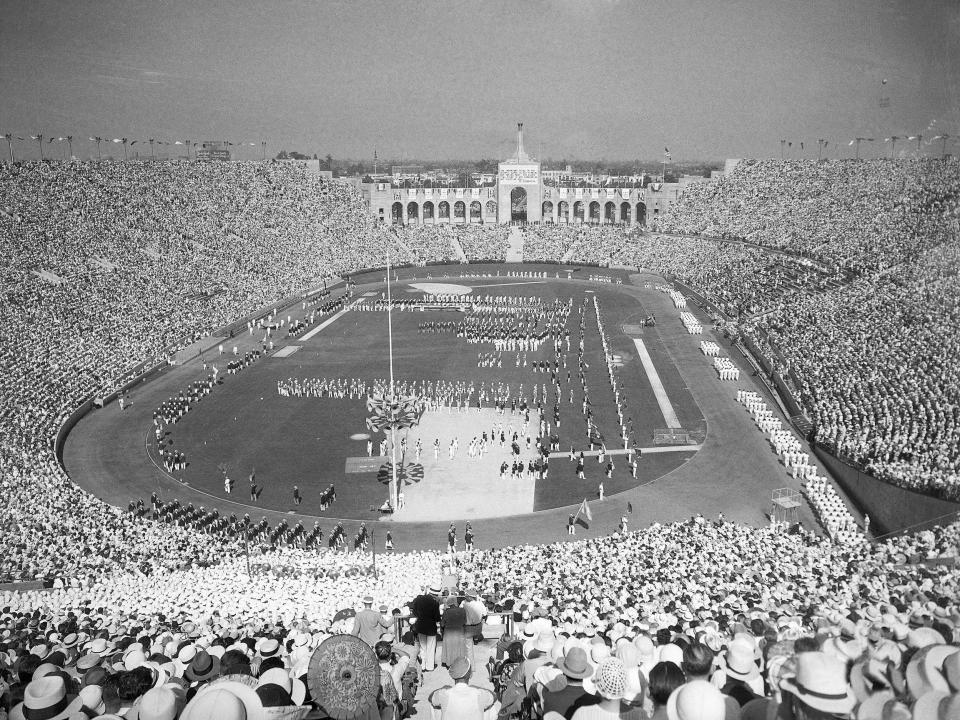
(585,509)
(666,154)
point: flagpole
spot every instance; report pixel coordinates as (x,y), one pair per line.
(393,425)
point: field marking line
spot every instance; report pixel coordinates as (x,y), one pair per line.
(327,322)
(644,451)
(525,282)
(666,407)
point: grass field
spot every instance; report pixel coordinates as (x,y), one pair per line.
(307,441)
(245,425)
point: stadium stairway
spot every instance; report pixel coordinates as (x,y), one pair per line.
(406,247)
(515,250)
(569,253)
(458,250)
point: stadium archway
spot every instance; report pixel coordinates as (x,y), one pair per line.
(443,210)
(547,211)
(641,213)
(428,211)
(491,211)
(624,212)
(563,212)
(518,205)
(396,214)
(476,211)
(413,213)
(595,212)
(459,211)
(609,212)
(578,211)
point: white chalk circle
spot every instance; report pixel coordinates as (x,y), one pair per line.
(441,288)
(360,436)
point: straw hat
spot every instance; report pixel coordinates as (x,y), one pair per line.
(821,683)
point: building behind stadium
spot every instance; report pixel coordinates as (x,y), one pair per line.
(521,191)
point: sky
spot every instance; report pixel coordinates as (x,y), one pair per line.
(590,79)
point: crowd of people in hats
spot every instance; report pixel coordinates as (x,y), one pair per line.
(438,243)
(696,620)
(856,214)
(110,265)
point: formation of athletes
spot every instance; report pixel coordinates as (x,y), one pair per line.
(525,331)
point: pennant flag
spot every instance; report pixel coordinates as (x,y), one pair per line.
(851,142)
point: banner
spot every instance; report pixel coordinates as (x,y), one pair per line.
(519,174)
(563,192)
(428,192)
(594,192)
(578,193)
(475,192)
(443,193)
(459,192)
(411,192)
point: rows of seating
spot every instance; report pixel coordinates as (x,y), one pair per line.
(842,212)
(154,612)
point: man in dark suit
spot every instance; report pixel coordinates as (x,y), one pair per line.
(426,609)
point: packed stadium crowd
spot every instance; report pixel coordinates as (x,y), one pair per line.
(138,259)
(745,615)
(876,366)
(860,215)
(110,265)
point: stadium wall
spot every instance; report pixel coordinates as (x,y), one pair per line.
(892,509)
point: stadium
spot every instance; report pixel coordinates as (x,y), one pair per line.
(282,444)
